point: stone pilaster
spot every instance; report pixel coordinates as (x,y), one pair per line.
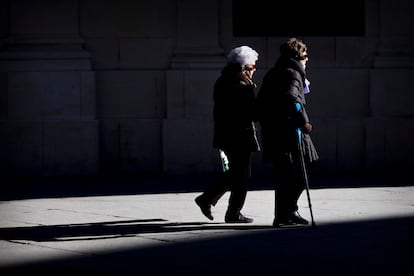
(50,100)
(195,65)
(198,35)
(388,145)
(48,125)
(396,49)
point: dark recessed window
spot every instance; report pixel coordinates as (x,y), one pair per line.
(298,18)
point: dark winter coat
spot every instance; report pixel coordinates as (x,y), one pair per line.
(281,90)
(234,101)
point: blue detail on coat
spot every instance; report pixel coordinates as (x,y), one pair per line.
(299,132)
(298,106)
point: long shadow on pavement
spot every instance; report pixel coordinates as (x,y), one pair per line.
(112,229)
(374,247)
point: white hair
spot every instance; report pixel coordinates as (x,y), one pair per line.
(242,55)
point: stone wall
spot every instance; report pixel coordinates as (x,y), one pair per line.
(96,87)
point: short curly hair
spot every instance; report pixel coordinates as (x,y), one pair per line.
(242,56)
(293,48)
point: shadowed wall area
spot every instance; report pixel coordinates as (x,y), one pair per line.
(118,87)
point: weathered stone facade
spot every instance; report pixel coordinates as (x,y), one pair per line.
(89,87)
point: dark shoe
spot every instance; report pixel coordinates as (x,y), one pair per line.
(281,221)
(297,219)
(205,208)
(291,219)
(239,218)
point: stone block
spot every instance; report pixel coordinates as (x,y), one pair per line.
(137,94)
(71,148)
(21,148)
(175,94)
(155,18)
(339,93)
(190,93)
(351,145)
(325,137)
(44,95)
(399,148)
(321,51)
(389,97)
(141,145)
(44,65)
(396,19)
(375,144)
(110,146)
(198,93)
(389,145)
(3,96)
(4,19)
(188,146)
(131,145)
(44,18)
(355,52)
(104,52)
(145,53)
(88,95)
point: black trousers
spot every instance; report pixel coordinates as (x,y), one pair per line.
(289,183)
(234,180)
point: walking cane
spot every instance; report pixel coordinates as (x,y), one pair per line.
(303,166)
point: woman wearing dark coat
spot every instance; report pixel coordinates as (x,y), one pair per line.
(284,87)
(234,133)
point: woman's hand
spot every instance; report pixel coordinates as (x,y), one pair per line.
(246,77)
(307,128)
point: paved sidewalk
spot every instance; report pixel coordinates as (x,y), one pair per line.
(359,231)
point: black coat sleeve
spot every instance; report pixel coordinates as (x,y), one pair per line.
(294,95)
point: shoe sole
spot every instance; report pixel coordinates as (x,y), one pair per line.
(231,221)
(289,224)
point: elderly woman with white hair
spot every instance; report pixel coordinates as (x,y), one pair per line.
(234,133)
